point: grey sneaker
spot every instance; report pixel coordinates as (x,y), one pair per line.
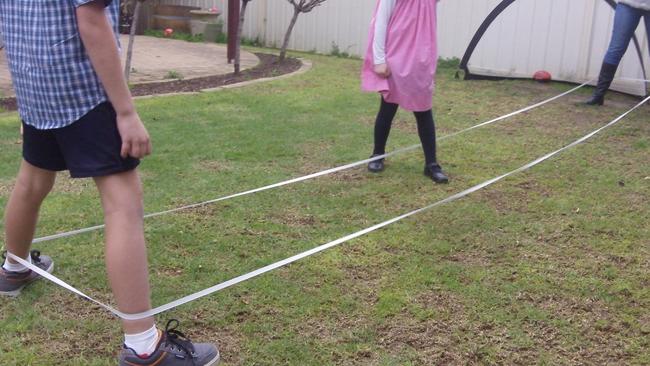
(11,283)
(174,349)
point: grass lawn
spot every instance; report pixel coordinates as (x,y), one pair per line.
(548,267)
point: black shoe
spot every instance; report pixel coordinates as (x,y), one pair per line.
(376,166)
(607,72)
(596,100)
(434,171)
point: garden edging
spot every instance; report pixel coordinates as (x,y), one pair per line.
(305,67)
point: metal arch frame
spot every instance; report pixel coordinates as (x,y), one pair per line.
(488,22)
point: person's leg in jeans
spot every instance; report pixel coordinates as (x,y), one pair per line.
(383,125)
(626,20)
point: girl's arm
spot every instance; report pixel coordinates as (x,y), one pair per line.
(382,18)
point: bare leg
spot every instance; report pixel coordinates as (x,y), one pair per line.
(126,252)
(32,186)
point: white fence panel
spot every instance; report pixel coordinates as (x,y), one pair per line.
(341,24)
(566,37)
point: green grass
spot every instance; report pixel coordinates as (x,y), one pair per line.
(547,267)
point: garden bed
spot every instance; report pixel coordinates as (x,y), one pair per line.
(268,67)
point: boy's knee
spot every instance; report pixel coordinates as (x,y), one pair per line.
(132,210)
(126,205)
(29,189)
(122,196)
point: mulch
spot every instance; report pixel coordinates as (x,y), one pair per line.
(269,66)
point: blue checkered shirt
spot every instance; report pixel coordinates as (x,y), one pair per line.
(54,80)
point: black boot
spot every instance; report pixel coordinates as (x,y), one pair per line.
(377,165)
(434,171)
(605,79)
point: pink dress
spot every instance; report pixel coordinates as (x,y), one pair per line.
(411,55)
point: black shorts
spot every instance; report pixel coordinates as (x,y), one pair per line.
(89,147)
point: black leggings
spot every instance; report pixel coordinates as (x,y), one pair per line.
(426,130)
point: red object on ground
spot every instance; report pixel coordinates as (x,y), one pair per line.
(168,32)
(542,76)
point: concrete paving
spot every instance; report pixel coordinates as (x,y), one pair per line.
(157,59)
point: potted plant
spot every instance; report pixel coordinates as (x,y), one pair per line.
(206,22)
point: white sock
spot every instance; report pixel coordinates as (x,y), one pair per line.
(16,267)
(144,344)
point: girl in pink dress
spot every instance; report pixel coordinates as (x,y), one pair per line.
(400,64)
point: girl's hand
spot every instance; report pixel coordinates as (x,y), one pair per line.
(382,70)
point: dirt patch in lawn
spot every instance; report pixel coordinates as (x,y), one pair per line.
(229,339)
(451,338)
(293,218)
(6,185)
(311,161)
(517,198)
(438,340)
(214,166)
(601,330)
(65,338)
(69,185)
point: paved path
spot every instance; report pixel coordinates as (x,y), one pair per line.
(154,59)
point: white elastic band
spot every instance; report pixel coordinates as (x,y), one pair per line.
(323,247)
(63,284)
(311,176)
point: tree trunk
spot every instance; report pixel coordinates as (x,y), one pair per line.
(287,37)
(129,52)
(240,30)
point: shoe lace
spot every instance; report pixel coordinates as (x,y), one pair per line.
(36,256)
(177,339)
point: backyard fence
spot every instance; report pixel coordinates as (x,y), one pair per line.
(566,37)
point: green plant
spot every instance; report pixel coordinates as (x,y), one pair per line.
(453,62)
(256,42)
(173,74)
(336,51)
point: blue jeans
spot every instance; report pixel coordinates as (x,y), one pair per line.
(626,21)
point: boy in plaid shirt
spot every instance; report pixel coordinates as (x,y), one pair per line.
(78,115)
